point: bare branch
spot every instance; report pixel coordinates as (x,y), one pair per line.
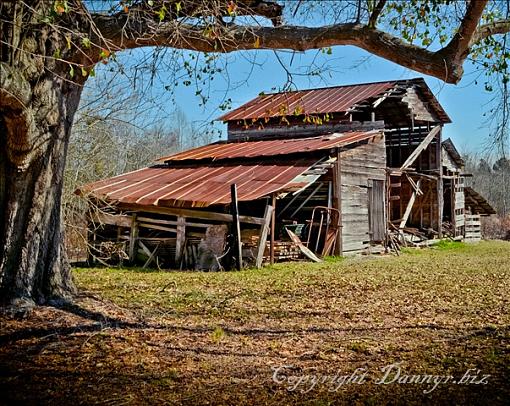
(376,13)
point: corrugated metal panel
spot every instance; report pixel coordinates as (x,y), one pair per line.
(199,186)
(313,101)
(254,149)
(326,100)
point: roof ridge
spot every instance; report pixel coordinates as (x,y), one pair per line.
(339,86)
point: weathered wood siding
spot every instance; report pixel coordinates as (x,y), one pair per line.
(358,166)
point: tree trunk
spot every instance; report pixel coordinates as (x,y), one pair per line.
(38,99)
(33,262)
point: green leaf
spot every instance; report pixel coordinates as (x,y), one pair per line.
(85,42)
(178,7)
(71,71)
(161,13)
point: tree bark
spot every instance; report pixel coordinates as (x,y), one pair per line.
(38,100)
(33,263)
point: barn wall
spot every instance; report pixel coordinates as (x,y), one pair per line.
(358,166)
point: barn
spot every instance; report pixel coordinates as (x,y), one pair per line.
(305,174)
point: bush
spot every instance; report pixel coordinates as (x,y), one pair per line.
(496,228)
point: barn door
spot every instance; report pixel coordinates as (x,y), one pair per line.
(376,204)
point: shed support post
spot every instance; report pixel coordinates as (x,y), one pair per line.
(273,229)
(440,197)
(181,239)
(236,227)
(133,238)
(337,201)
(264,231)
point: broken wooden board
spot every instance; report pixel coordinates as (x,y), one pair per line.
(307,252)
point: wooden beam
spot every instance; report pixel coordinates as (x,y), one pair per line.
(297,131)
(295,196)
(440,196)
(337,201)
(273,228)
(409,207)
(307,199)
(171,222)
(181,238)
(236,227)
(424,144)
(133,237)
(264,231)
(157,227)
(120,220)
(151,257)
(205,215)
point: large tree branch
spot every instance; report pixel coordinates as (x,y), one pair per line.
(487,30)
(123,33)
(458,47)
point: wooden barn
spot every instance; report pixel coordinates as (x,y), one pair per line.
(332,171)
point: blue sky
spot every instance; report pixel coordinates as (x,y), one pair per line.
(249,73)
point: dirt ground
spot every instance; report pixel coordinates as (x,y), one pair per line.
(428,327)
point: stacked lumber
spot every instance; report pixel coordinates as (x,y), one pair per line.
(283,250)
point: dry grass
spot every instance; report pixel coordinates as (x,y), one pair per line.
(138,337)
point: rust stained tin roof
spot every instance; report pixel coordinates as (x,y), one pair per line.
(327,100)
(199,186)
(313,101)
(254,149)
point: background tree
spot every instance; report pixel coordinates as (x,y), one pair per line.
(117,130)
(48,49)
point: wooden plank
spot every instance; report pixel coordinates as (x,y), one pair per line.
(302,247)
(236,227)
(157,227)
(420,148)
(171,222)
(133,237)
(205,215)
(181,238)
(120,220)
(264,231)
(151,256)
(409,207)
(144,248)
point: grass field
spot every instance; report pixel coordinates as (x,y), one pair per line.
(148,337)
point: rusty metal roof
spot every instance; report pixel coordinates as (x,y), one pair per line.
(326,100)
(265,148)
(200,186)
(312,101)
